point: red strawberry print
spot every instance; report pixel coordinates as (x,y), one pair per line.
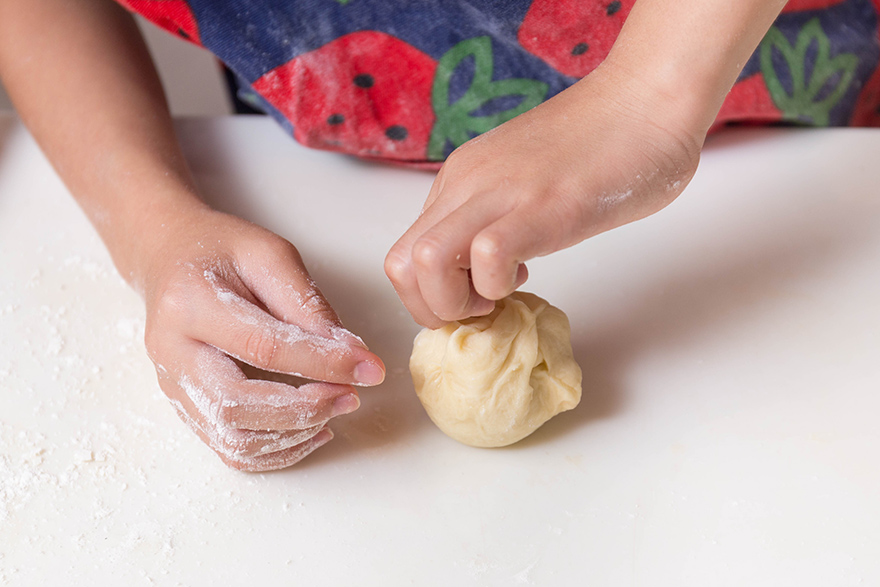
(750,101)
(867,110)
(172,15)
(800,5)
(365,93)
(573,36)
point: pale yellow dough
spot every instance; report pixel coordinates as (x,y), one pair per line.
(493,380)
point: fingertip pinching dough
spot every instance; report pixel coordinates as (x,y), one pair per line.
(490,381)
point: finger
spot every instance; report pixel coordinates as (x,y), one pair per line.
(400,271)
(398,268)
(284,458)
(275,406)
(399,265)
(281,459)
(441,258)
(230,322)
(499,251)
(276,275)
(225,398)
(405,276)
(235,444)
(248,453)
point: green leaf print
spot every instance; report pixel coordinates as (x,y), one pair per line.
(456,122)
(803,103)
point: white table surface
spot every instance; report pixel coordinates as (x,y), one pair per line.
(728,433)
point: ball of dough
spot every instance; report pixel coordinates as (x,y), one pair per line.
(493,380)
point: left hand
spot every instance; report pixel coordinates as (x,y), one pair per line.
(218,287)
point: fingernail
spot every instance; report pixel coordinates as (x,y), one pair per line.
(522,275)
(323,437)
(483,307)
(345,404)
(368,373)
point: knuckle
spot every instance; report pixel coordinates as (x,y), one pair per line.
(397,266)
(227,417)
(495,268)
(449,166)
(269,248)
(314,301)
(456,160)
(427,253)
(260,347)
(173,304)
(279,248)
(489,248)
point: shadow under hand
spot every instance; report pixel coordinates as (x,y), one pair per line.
(824,226)
(390,412)
(9,123)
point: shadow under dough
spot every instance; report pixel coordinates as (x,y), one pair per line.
(703,293)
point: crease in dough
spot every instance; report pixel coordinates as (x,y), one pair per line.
(490,381)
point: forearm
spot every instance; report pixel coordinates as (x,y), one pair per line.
(691,51)
(81,79)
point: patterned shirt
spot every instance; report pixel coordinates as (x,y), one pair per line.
(409,81)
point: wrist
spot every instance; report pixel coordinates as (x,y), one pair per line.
(666,94)
(143,233)
(650,110)
(688,54)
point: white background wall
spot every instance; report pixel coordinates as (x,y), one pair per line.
(192,78)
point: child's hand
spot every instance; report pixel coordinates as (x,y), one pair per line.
(220,287)
(600,154)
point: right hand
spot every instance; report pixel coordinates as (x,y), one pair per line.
(604,152)
(220,288)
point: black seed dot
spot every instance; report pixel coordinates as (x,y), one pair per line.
(613,8)
(182,33)
(396,132)
(335,119)
(364,80)
(579,49)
